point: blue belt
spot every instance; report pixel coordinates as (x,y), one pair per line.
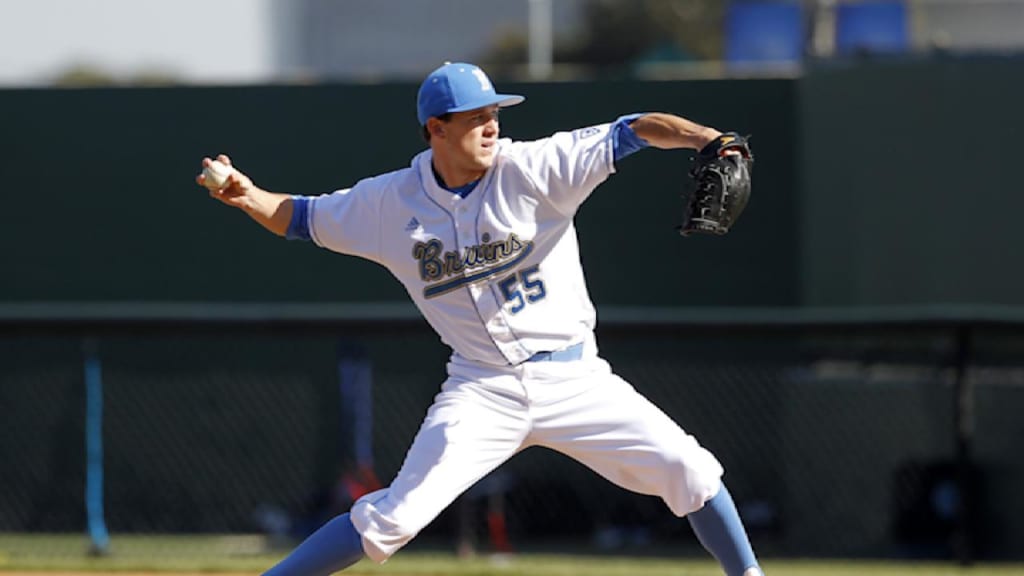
(574,352)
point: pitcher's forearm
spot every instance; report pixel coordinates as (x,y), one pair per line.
(670,131)
(271,210)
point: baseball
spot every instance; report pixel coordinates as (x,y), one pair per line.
(216,175)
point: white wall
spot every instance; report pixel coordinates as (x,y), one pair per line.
(208,41)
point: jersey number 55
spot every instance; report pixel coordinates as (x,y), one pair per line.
(532,287)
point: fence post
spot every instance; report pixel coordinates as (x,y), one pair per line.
(98,535)
(963,418)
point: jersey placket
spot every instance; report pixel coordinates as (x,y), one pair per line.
(466,213)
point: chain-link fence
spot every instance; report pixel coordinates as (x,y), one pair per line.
(839,439)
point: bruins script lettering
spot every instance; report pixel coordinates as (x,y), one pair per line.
(445,271)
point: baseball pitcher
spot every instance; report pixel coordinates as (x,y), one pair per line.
(479,230)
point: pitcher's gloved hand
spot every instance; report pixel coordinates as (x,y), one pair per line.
(721,185)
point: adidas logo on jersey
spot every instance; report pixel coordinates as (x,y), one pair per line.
(412,225)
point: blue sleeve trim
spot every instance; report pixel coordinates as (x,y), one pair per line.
(624,139)
(298,228)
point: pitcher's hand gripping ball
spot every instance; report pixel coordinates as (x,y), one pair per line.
(721,185)
(216,175)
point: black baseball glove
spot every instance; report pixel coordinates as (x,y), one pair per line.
(721,185)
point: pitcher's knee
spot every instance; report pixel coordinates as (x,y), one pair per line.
(693,483)
(383,534)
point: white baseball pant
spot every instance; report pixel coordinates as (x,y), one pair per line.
(485,414)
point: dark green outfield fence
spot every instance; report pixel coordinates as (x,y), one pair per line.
(903,183)
(881,184)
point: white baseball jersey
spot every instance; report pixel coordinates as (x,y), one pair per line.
(497,274)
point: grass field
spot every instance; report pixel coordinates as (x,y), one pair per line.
(66,555)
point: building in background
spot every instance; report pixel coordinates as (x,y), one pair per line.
(370,40)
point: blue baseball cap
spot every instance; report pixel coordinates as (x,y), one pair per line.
(458,87)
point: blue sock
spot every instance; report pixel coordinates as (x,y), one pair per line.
(719,529)
(335,546)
